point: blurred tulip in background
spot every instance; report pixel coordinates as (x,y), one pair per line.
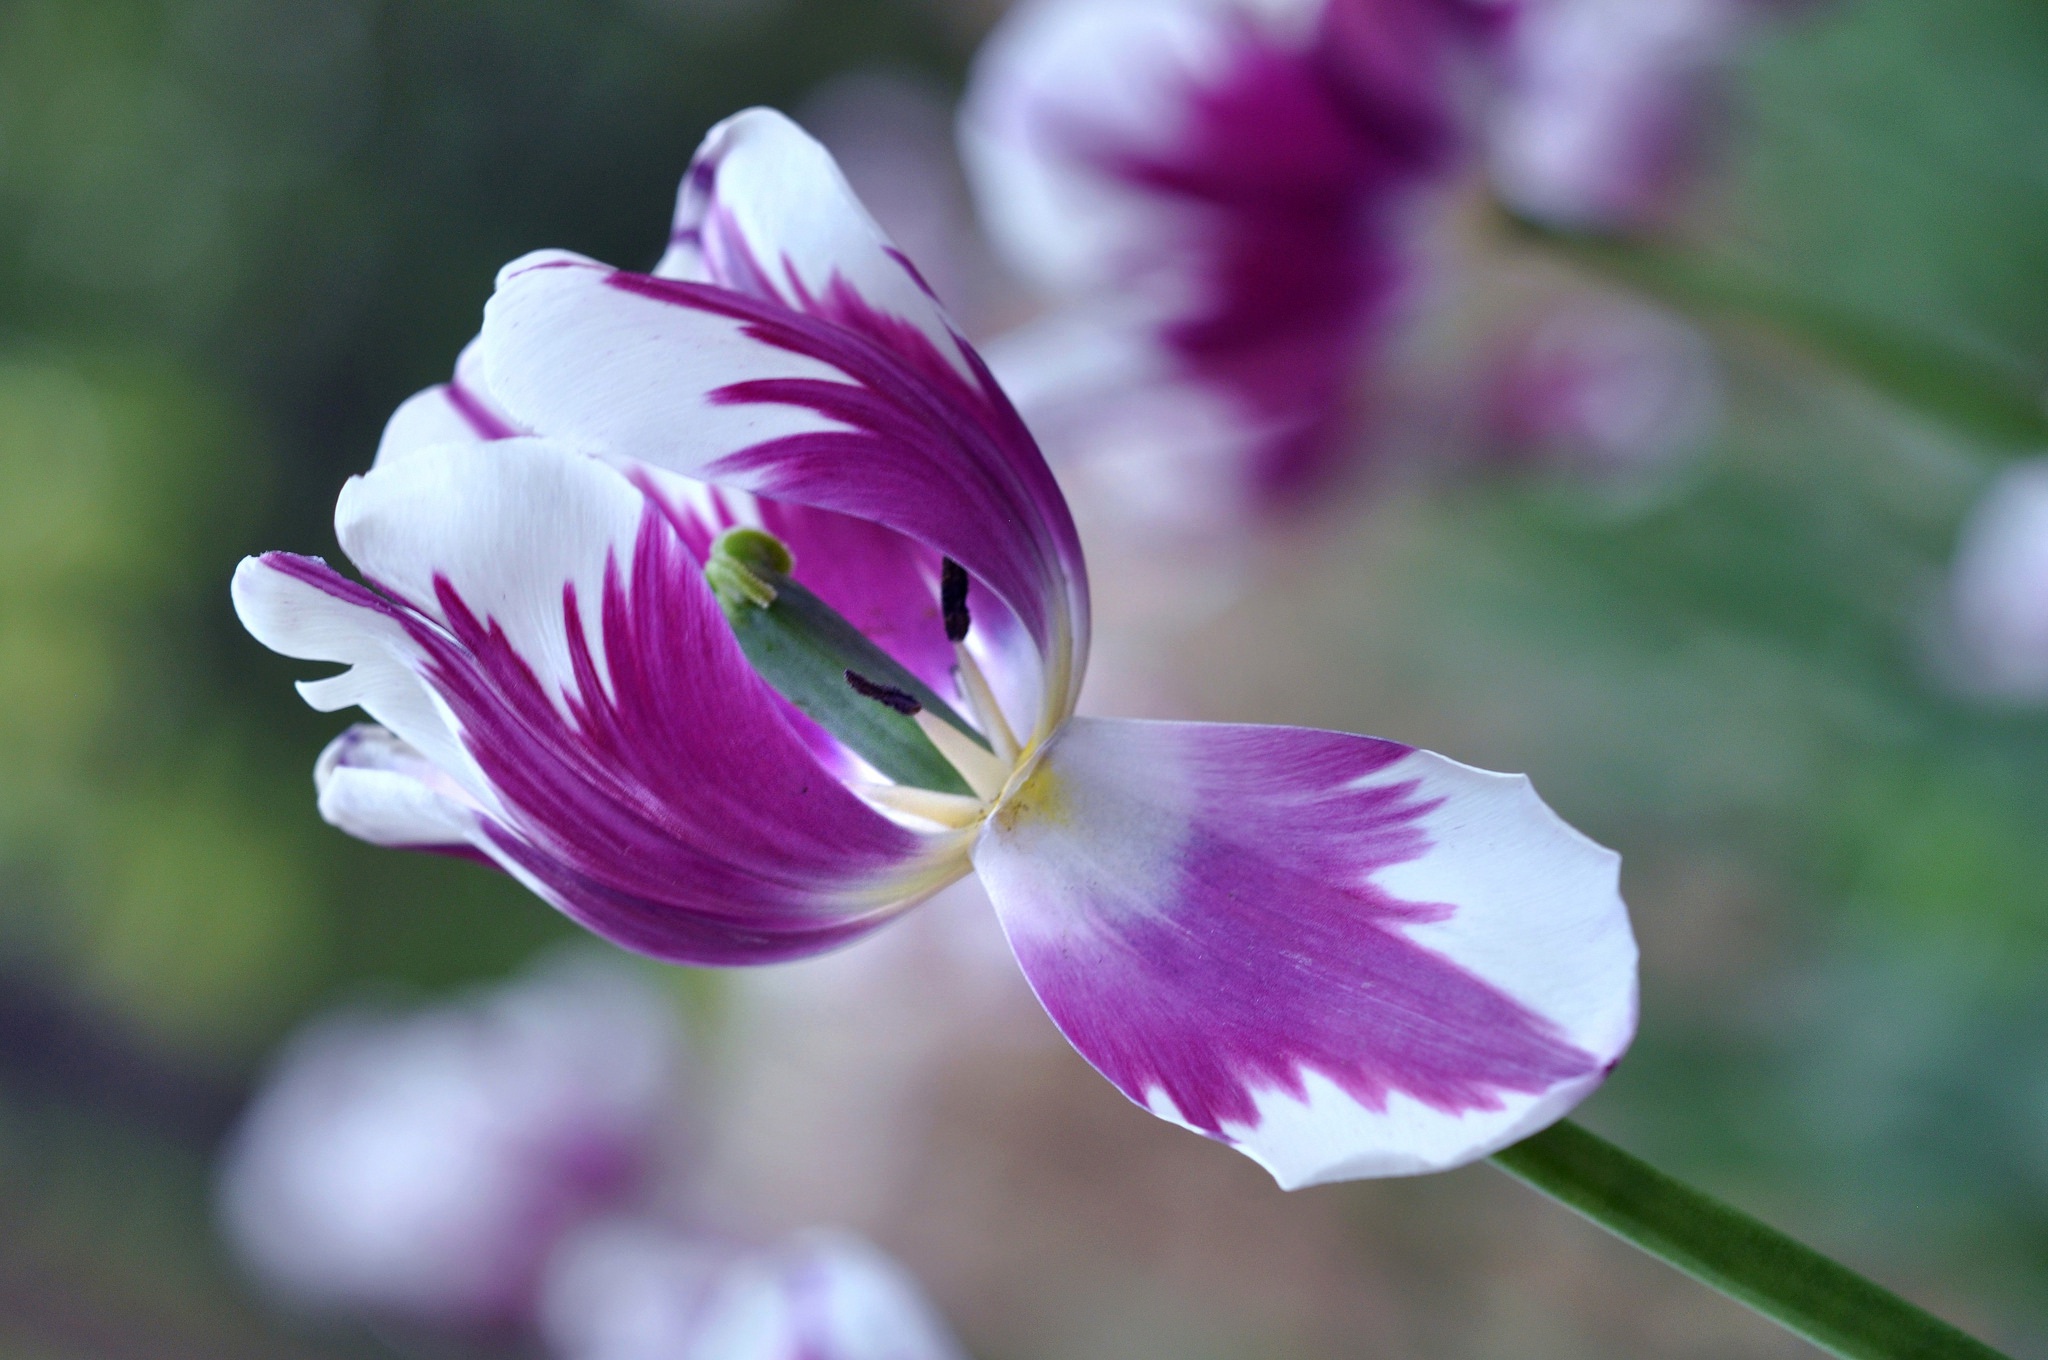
(421,1167)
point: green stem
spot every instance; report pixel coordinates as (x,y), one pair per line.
(1720,1246)
(1980,393)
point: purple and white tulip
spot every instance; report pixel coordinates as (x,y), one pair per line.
(1222,195)
(637,1291)
(422,1167)
(1342,955)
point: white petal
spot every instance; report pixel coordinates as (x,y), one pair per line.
(459,411)
(378,789)
(509,531)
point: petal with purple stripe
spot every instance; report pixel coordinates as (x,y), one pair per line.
(459,411)
(1344,956)
(722,386)
(764,210)
(300,607)
(626,762)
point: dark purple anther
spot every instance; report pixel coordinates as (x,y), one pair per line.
(886,695)
(953,600)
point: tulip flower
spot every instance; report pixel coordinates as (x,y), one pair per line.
(1221,198)
(732,609)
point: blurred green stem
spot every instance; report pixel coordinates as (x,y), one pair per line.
(1720,1246)
(1981,394)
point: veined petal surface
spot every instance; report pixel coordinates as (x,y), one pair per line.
(1344,956)
(459,411)
(616,751)
(809,376)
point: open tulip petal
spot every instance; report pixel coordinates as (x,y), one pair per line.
(770,215)
(641,776)
(300,607)
(837,402)
(1344,956)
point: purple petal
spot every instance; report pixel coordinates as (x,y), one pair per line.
(841,407)
(624,759)
(1344,956)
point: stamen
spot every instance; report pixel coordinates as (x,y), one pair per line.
(984,773)
(953,600)
(945,809)
(888,696)
(988,713)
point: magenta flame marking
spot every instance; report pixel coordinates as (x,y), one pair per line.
(677,815)
(481,418)
(925,453)
(1272,953)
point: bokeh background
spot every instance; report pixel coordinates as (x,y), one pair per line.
(235,233)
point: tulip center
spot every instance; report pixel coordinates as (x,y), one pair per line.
(943,767)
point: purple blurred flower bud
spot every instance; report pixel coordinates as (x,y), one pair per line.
(1220,199)
(420,1167)
(1604,386)
(1998,590)
(1604,104)
(635,1291)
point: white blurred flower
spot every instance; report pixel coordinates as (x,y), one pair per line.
(638,1291)
(1998,590)
(1605,386)
(1604,102)
(421,1166)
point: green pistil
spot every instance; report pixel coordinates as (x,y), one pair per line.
(804,649)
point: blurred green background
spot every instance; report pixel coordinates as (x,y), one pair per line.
(235,233)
